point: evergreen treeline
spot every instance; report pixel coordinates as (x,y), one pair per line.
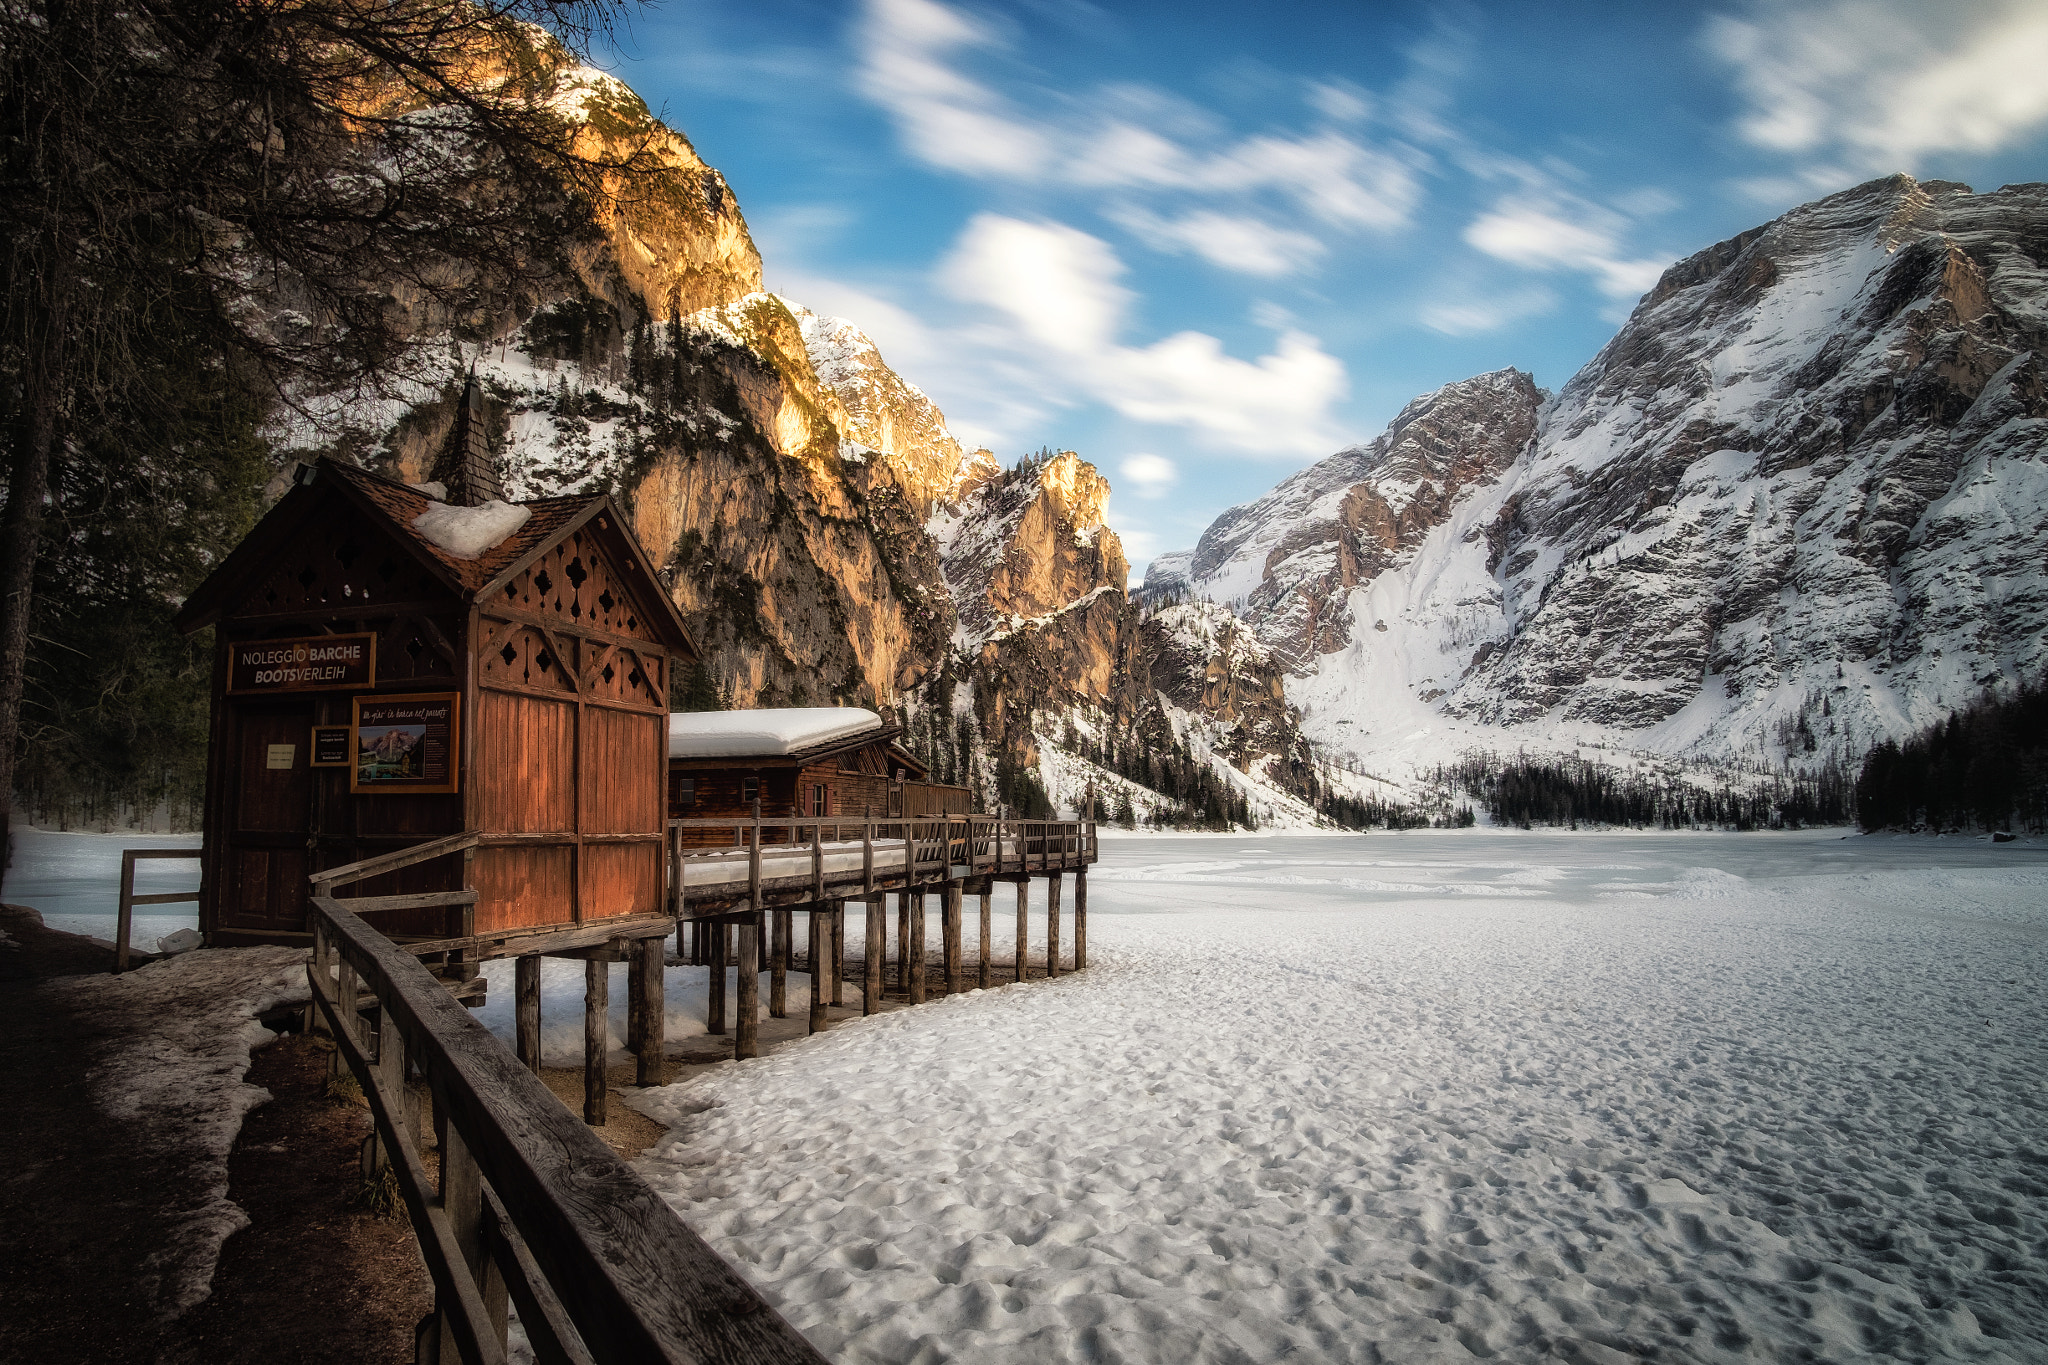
(1192,795)
(1986,766)
(1529,791)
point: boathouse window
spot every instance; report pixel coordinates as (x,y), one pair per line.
(821,800)
(750,789)
(686,791)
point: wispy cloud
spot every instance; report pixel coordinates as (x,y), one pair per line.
(1060,291)
(1475,313)
(1563,233)
(1125,141)
(1850,88)
(1149,476)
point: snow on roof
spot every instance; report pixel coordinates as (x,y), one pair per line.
(740,734)
(466,532)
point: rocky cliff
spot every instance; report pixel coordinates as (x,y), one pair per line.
(776,469)
(1797,504)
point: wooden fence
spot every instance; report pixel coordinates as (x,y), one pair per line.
(124,920)
(531,1206)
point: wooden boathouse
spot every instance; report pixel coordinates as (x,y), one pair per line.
(454,709)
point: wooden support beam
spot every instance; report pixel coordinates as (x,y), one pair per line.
(526,1011)
(877,946)
(838,951)
(915,948)
(1052,925)
(1080,919)
(715,934)
(653,1064)
(951,930)
(982,974)
(596,1021)
(747,1034)
(1023,927)
(817,955)
(778,966)
(636,994)
(903,944)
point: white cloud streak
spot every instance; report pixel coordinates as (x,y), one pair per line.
(1563,234)
(1851,88)
(1059,290)
(1149,476)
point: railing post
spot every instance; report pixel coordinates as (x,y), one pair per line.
(867,856)
(754,859)
(125,919)
(1080,919)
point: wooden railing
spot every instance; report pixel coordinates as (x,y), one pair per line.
(531,1206)
(935,849)
(124,921)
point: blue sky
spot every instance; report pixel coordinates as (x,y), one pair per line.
(1206,245)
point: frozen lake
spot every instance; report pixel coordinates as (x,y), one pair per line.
(1431,1096)
(75,880)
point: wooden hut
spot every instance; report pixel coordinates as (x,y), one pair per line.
(806,763)
(391,669)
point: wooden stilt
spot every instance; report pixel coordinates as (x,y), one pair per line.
(1023,927)
(526,1011)
(635,993)
(747,1034)
(760,942)
(982,975)
(596,1017)
(1080,919)
(712,932)
(950,931)
(871,965)
(838,952)
(778,966)
(817,956)
(915,948)
(653,1066)
(1052,925)
(903,943)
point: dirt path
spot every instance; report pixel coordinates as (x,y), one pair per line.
(94,1202)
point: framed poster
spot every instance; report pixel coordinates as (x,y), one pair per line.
(331,747)
(309,663)
(408,744)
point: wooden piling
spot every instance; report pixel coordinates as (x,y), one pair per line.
(817,955)
(951,929)
(1052,925)
(747,1036)
(838,951)
(1080,919)
(1023,927)
(871,956)
(903,943)
(652,1067)
(712,933)
(778,966)
(526,1010)
(982,974)
(914,949)
(596,1019)
(635,995)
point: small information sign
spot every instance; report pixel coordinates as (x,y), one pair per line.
(407,744)
(331,747)
(309,663)
(281,755)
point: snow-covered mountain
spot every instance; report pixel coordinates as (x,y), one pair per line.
(1799,503)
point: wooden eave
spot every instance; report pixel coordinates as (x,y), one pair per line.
(212,599)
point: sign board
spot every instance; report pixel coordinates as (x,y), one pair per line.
(408,744)
(332,747)
(280,755)
(305,664)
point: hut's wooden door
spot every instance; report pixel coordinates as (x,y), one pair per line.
(269,814)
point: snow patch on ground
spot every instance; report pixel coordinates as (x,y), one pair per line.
(1428,1096)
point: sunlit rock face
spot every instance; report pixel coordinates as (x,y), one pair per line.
(1797,504)
(1028,543)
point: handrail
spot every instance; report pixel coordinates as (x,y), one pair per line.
(390,862)
(124,919)
(526,1189)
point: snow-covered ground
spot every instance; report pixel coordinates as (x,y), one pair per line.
(75,881)
(1425,1096)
